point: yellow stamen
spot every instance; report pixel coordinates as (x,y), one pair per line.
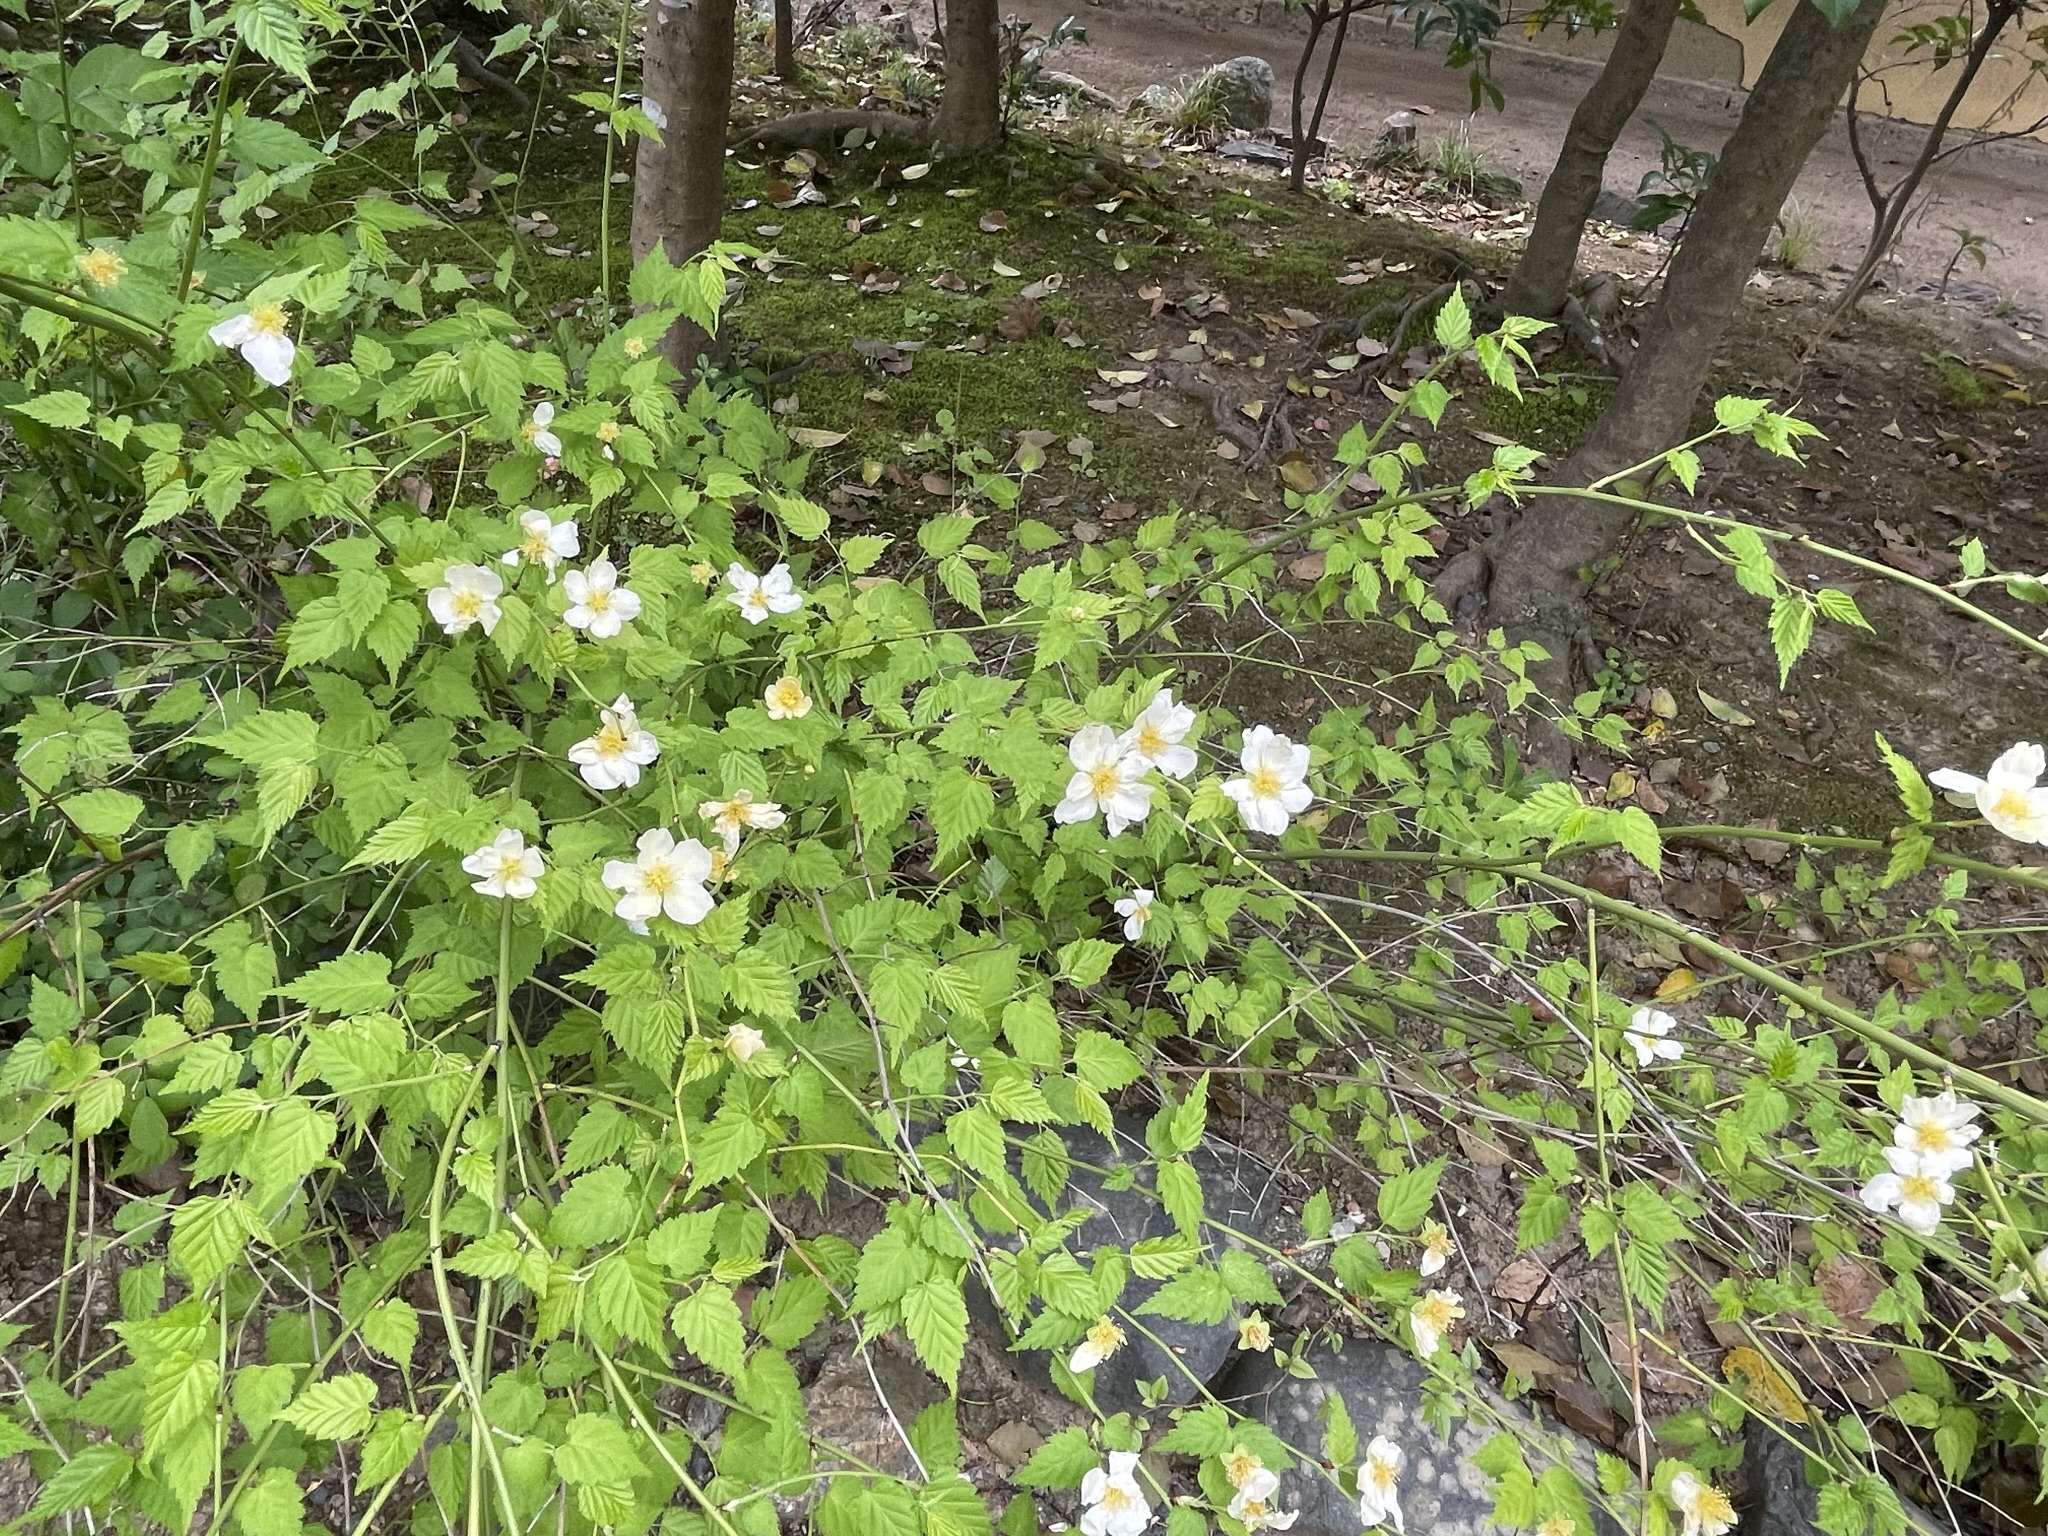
(1264,782)
(1919,1189)
(268,318)
(1103,780)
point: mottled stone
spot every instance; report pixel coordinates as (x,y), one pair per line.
(1443,1492)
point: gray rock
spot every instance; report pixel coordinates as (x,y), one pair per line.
(1255,149)
(1777,1500)
(898,27)
(1615,208)
(1236,1190)
(1243,87)
(1442,1492)
(865,1412)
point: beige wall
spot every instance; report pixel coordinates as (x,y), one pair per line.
(1731,51)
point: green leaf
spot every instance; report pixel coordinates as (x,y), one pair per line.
(1084,962)
(935,1318)
(104,813)
(272,1504)
(208,1233)
(1735,413)
(166,968)
(1454,323)
(354,983)
(59,408)
(188,847)
(182,1389)
(1841,607)
(760,984)
(337,1408)
(392,1328)
(1427,399)
(1637,833)
(1033,1030)
(598,1460)
(1104,1062)
(598,1208)
(1405,1199)
(97,1105)
(88,1477)
(628,1294)
(1914,794)
(272,30)
(1791,629)
(961,806)
(1061,1462)
(708,1319)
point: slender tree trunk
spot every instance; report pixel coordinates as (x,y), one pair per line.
(1297,168)
(1538,569)
(679,184)
(785,40)
(1891,208)
(1539,284)
(971,111)
(1305,146)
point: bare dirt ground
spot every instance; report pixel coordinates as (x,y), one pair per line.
(2000,193)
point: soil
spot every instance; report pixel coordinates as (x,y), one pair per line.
(2001,192)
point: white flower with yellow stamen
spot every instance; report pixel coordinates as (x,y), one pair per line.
(1136,911)
(261,335)
(1705,1509)
(613,758)
(1252,1505)
(1157,734)
(470,596)
(1274,787)
(536,432)
(1437,1248)
(1103,1339)
(1241,1465)
(757,597)
(101,267)
(1648,1036)
(1918,1188)
(731,818)
(1938,1130)
(543,542)
(786,699)
(1255,1334)
(1115,1504)
(505,867)
(2009,795)
(1379,1483)
(1431,1319)
(666,880)
(598,605)
(1106,779)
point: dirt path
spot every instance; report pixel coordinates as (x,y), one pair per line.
(2001,195)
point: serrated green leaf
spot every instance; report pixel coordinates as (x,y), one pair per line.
(337,1408)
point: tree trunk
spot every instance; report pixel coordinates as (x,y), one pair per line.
(679,184)
(1539,284)
(785,40)
(1539,567)
(970,112)
(1891,207)
(1303,148)
(1297,167)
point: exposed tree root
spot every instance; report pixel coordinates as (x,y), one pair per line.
(1223,413)
(825,128)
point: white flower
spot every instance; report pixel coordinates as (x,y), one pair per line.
(1431,1319)
(259,334)
(1105,780)
(1437,1248)
(1646,1032)
(1938,1131)
(1254,1333)
(613,758)
(1274,788)
(505,867)
(1379,1483)
(1136,911)
(1241,1465)
(1156,736)
(1103,1339)
(667,879)
(1253,1503)
(1918,1188)
(1116,1504)
(597,602)
(786,699)
(470,597)
(655,115)
(729,818)
(744,1042)
(543,542)
(758,596)
(536,431)
(2008,796)
(1706,1508)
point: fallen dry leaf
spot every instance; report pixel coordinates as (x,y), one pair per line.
(1309,567)
(994,222)
(1522,1281)
(1524,1361)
